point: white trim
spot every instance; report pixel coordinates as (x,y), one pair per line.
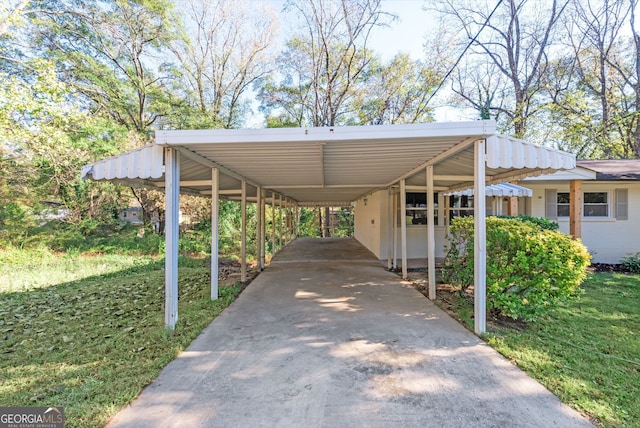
(431,238)
(403,227)
(215,204)
(172,221)
(479,242)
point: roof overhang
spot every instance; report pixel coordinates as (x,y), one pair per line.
(331,165)
(577,173)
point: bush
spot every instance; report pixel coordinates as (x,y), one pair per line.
(631,263)
(530,270)
(543,222)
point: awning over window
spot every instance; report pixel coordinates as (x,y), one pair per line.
(498,190)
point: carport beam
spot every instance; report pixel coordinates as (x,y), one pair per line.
(403,226)
(215,202)
(172,208)
(479,240)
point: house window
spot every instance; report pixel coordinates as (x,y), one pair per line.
(595,204)
(562,204)
(417,208)
(460,206)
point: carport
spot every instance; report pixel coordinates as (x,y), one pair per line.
(327,166)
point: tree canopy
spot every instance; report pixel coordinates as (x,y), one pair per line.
(83,79)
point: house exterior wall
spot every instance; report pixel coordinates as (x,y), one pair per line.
(607,238)
(368,220)
(372,229)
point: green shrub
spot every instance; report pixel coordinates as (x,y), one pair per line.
(631,263)
(529,269)
(543,222)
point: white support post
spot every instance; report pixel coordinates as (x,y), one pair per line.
(263,232)
(279,221)
(273,224)
(403,226)
(258,225)
(390,240)
(395,231)
(479,240)
(431,239)
(172,226)
(243,234)
(215,202)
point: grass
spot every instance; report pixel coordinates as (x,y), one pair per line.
(87,332)
(587,352)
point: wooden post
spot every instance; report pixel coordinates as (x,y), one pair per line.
(575,209)
(172,227)
(215,202)
(512,209)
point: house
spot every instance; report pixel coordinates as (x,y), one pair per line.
(606,219)
(131,215)
(383,169)
(608,205)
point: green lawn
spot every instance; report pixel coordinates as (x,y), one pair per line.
(87,332)
(587,352)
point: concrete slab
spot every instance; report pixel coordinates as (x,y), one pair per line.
(325,337)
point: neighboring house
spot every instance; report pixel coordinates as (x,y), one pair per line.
(132,215)
(607,217)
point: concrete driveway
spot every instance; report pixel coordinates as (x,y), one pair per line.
(326,337)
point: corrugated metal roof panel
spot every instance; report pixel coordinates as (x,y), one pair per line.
(143,163)
(498,190)
(311,165)
(508,152)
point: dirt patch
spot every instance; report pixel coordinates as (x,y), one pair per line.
(229,272)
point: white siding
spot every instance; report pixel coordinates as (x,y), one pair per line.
(371,229)
(608,239)
(369,222)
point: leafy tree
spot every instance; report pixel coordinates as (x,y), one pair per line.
(109,51)
(399,92)
(513,40)
(324,67)
(224,49)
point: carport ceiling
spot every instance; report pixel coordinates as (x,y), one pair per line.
(328,165)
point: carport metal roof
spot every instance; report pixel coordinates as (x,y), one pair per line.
(331,165)
(328,166)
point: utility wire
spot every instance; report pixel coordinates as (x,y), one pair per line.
(486,22)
